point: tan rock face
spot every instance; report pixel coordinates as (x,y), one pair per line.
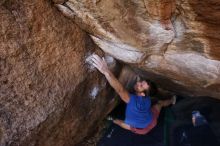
(175,43)
(49,95)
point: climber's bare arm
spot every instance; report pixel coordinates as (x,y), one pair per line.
(101,65)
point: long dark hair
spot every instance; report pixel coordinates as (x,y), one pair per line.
(152,91)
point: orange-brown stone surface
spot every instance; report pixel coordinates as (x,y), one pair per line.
(49,95)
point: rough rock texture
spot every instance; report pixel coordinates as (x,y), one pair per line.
(49,95)
(175,43)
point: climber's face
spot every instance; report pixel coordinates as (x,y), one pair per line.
(141,86)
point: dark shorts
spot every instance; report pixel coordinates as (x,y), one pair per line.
(153,123)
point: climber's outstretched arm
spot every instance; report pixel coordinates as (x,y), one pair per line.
(101,65)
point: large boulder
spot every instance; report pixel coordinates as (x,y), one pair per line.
(49,95)
(175,43)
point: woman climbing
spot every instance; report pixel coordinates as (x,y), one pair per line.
(140,117)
